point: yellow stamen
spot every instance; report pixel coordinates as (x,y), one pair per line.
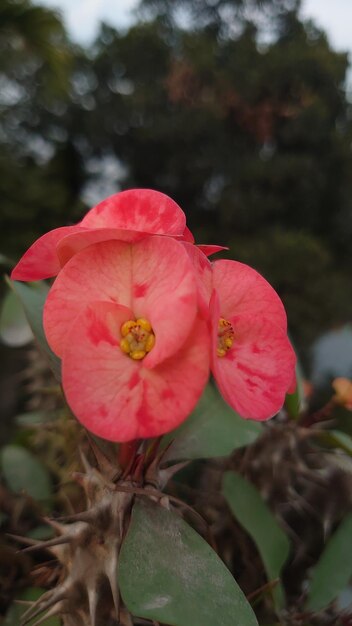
(137,338)
(126,327)
(150,343)
(145,324)
(226,337)
(137,355)
(125,346)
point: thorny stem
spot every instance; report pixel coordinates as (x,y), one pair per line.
(321,415)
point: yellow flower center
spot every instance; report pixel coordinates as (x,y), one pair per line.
(137,338)
(225,336)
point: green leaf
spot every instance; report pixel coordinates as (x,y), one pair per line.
(170,574)
(253,514)
(338,439)
(334,568)
(24,473)
(33,298)
(212,430)
(14,328)
(294,402)
(14,614)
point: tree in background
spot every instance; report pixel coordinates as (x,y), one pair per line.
(39,165)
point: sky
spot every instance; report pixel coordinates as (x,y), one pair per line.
(83,16)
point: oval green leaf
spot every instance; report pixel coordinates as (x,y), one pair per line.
(14,328)
(169,573)
(334,568)
(24,473)
(33,298)
(212,430)
(253,514)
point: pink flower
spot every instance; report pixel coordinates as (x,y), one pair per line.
(252,359)
(135,354)
(127,216)
(137,312)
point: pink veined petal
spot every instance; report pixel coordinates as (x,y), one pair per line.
(209,249)
(256,372)
(143,210)
(119,399)
(153,277)
(203,272)
(40,260)
(242,290)
(74,242)
(164,288)
(188,235)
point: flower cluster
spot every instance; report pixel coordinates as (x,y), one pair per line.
(140,316)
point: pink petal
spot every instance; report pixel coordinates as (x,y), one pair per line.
(164,288)
(153,277)
(257,371)
(143,210)
(73,243)
(188,235)
(209,249)
(203,272)
(119,399)
(243,291)
(40,260)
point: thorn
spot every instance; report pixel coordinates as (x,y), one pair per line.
(152,451)
(164,451)
(111,574)
(54,524)
(104,463)
(23,602)
(34,605)
(269,586)
(84,516)
(44,545)
(166,474)
(56,610)
(65,497)
(87,467)
(152,473)
(93,602)
(26,540)
(138,468)
(48,600)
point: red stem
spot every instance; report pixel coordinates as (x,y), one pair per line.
(127,452)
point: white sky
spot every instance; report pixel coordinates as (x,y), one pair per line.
(335,17)
(83,16)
